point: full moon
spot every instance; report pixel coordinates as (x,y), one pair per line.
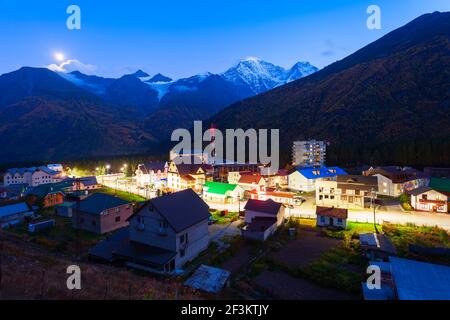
(59,56)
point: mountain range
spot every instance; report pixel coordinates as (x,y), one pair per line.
(389,102)
(46,115)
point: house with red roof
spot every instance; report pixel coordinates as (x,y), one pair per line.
(332,217)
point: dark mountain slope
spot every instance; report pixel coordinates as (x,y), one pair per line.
(49,118)
(388,102)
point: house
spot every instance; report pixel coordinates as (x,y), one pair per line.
(347,191)
(394,181)
(33,176)
(14,191)
(332,217)
(305,179)
(223,170)
(413,280)
(309,154)
(85,183)
(262,218)
(65,209)
(377,246)
(168,231)
(252,181)
(429,200)
(286,198)
(235,176)
(277,180)
(101,213)
(13,214)
(49,194)
(150,173)
(187,176)
(222,192)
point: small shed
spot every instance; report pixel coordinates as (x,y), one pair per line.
(208,279)
(377,246)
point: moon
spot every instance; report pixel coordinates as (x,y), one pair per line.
(58,56)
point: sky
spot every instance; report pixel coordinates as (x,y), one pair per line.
(183,38)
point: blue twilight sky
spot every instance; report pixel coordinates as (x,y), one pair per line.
(183,38)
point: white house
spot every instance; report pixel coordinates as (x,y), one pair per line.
(151,173)
(394,181)
(262,218)
(305,179)
(222,192)
(168,231)
(252,181)
(331,217)
(33,176)
(429,200)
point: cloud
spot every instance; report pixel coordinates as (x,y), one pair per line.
(72,65)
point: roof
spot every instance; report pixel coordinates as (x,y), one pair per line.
(357,182)
(13,209)
(152,166)
(396,174)
(98,202)
(267,206)
(261,224)
(208,279)
(145,254)
(250,178)
(440,184)
(49,188)
(416,280)
(21,171)
(377,242)
(219,187)
(184,168)
(181,209)
(332,212)
(323,172)
(68,204)
(418,191)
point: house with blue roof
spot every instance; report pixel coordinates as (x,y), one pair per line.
(13,214)
(304,179)
(33,176)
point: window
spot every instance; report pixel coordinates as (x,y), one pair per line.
(94,223)
(184,238)
(339,220)
(322,219)
(163,224)
(182,253)
(117,219)
(425,197)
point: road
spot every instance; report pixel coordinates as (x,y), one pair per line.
(393,214)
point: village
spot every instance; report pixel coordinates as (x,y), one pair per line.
(307,231)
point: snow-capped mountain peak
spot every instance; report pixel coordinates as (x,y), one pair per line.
(261,76)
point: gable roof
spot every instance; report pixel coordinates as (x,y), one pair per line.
(323,172)
(250,178)
(332,212)
(13,209)
(219,187)
(267,206)
(98,202)
(152,166)
(357,182)
(418,191)
(48,188)
(181,209)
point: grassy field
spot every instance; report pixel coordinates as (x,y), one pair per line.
(61,238)
(224,219)
(127,196)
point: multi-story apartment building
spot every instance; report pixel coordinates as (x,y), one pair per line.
(33,176)
(310,153)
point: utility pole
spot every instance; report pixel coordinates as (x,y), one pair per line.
(374,209)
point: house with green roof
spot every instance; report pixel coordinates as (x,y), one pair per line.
(222,192)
